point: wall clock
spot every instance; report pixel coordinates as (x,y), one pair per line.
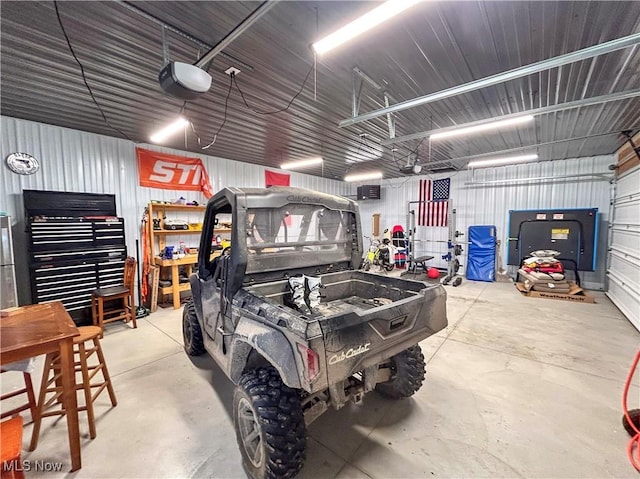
(22,163)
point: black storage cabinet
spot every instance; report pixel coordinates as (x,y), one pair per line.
(76,244)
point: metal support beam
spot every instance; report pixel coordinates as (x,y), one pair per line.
(543,65)
(520,148)
(624,95)
(166,58)
(593,176)
(356,86)
(391,122)
(236,32)
(368,79)
(181,33)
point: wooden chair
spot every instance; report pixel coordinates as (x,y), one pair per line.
(122,293)
(90,386)
(11,450)
(27,391)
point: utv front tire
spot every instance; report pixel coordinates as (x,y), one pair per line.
(269,425)
(191,331)
(407,374)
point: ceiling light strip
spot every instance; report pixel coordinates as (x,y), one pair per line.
(617,131)
(369,20)
(169,130)
(374,175)
(507,160)
(494,125)
(293,165)
(624,95)
(578,55)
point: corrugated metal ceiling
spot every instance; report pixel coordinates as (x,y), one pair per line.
(435,46)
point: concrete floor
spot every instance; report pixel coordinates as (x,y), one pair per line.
(516,387)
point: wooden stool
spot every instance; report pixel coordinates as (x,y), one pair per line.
(28,391)
(11,440)
(53,384)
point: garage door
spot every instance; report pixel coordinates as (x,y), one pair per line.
(624,249)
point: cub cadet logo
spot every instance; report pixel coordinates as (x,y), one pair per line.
(350,353)
(167,171)
(304,199)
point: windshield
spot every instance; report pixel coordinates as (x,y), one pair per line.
(297,235)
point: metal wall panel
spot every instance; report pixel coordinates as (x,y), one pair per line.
(489,204)
(624,251)
(78,161)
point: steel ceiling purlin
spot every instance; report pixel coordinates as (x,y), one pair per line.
(526,147)
(446,44)
(578,55)
(536,111)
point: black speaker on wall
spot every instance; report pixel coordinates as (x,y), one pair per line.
(369,192)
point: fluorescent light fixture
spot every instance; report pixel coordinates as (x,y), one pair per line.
(478,128)
(169,130)
(293,165)
(507,160)
(372,175)
(360,25)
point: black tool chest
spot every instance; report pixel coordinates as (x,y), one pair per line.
(76,244)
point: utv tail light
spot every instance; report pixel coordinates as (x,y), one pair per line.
(311,361)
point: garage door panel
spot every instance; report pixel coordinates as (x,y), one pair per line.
(627,215)
(625,269)
(625,300)
(624,248)
(625,240)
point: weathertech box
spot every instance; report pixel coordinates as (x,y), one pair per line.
(576,294)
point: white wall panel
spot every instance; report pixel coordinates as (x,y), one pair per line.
(489,204)
(85,162)
(624,251)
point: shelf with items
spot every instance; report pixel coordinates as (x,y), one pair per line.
(188,259)
(160,238)
(161,212)
(182,215)
(190,231)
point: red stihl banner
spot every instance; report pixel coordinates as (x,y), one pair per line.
(271,178)
(171,172)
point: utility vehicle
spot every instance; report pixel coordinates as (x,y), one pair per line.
(294,323)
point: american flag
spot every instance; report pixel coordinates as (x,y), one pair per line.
(434,202)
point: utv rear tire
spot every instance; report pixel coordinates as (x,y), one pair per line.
(407,374)
(269,424)
(191,331)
